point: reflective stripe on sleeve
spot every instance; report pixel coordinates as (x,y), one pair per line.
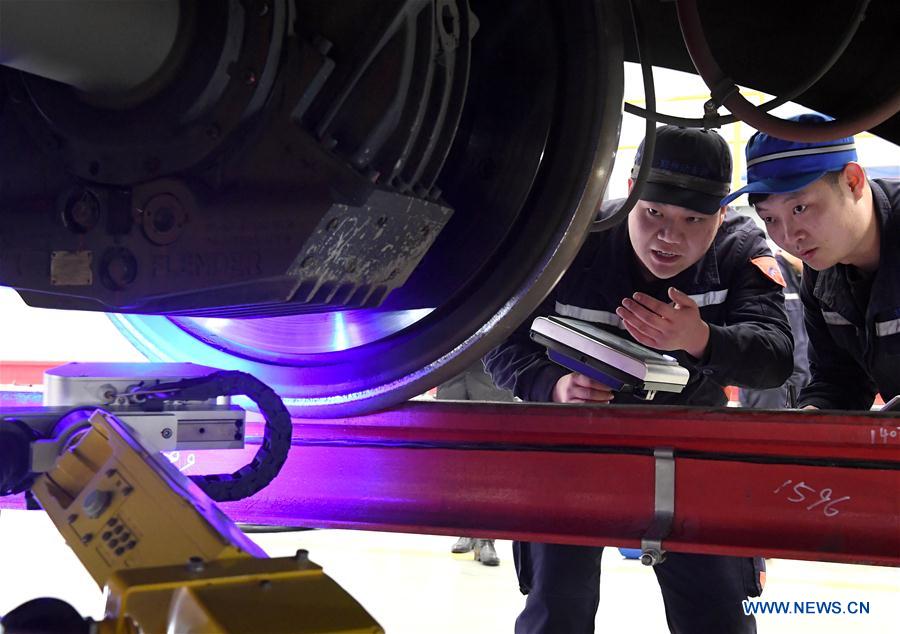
(886,328)
(835,319)
(710,298)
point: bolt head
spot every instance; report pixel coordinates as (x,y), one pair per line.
(96,502)
(196,564)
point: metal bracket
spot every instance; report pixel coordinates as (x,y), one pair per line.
(188,428)
(45,452)
(663,508)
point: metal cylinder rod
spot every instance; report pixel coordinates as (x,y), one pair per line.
(97,46)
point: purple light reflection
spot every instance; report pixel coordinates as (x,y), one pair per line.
(284,339)
(287,353)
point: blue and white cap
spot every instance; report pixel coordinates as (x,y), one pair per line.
(776,166)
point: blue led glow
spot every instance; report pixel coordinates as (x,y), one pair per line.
(339,330)
(276,350)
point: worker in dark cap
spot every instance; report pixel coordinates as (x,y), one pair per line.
(684,277)
(818,205)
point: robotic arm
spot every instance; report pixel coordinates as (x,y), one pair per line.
(169,559)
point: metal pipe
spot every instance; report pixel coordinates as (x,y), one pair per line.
(725,91)
(97,46)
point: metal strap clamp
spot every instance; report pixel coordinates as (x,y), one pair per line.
(663,508)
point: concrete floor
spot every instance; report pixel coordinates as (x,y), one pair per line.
(413,585)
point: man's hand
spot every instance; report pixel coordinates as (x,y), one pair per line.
(578,388)
(675,326)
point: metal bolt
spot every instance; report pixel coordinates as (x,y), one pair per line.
(307,261)
(196,564)
(71,519)
(127,491)
(166,432)
(119,268)
(87,538)
(652,557)
(301,556)
(82,212)
(332,224)
(265,584)
(96,502)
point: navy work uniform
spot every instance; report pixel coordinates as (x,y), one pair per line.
(853,320)
(473,384)
(786,395)
(749,345)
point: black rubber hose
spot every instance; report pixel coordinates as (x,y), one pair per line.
(649,133)
(724,91)
(719,120)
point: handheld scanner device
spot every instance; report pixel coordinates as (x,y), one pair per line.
(623,365)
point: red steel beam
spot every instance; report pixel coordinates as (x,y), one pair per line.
(798,485)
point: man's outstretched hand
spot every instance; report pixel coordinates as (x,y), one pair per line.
(675,326)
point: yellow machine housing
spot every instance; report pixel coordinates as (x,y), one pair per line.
(169,559)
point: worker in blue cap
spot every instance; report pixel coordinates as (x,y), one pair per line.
(818,205)
(684,276)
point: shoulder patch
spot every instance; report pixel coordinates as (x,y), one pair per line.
(769,268)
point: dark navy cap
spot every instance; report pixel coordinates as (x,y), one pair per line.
(691,168)
(776,166)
